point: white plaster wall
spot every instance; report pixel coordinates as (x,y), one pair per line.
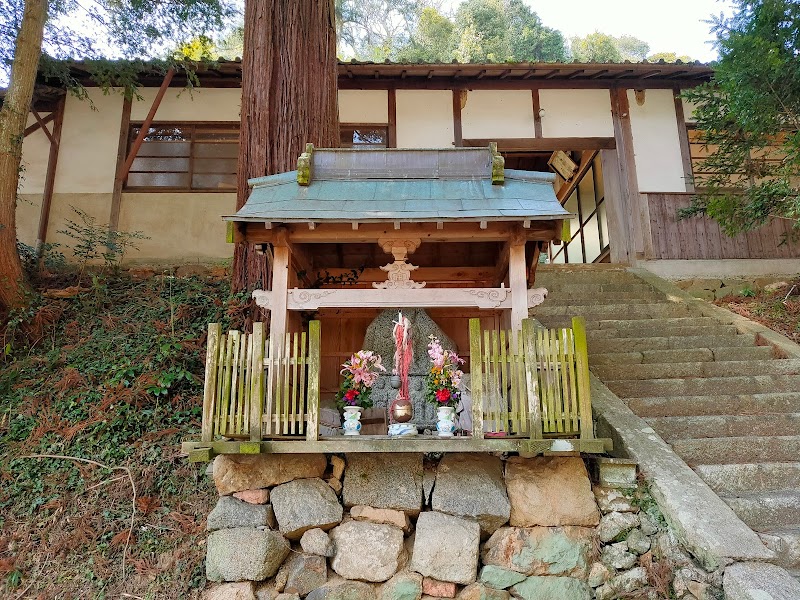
(29,206)
(424,118)
(656,146)
(199,104)
(35,153)
(364,106)
(576,113)
(498,114)
(89,143)
(182,227)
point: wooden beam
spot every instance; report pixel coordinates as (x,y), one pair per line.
(518,280)
(137,143)
(537,118)
(391,142)
(620,115)
(457,131)
(119,179)
(683,139)
(42,125)
(537,250)
(544,144)
(427,274)
(35,126)
(280,285)
(587,156)
(336,233)
(50,177)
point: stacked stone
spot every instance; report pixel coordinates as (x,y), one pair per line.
(639,556)
(405,527)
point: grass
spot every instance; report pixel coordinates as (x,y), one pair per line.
(112,375)
(778,309)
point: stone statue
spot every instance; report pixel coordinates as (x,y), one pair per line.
(379,339)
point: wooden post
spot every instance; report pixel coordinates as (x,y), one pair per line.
(119,178)
(257,383)
(280,290)
(458,139)
(683,138)
(210,384)
(312,400)
(50,177)
(518,280)
(476,378)
(532,379)
(582,368)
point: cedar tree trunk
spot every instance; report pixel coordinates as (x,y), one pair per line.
(289,84)
(13,118)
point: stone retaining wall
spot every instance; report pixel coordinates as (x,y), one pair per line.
(408,526)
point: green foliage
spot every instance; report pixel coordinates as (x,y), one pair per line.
(47,257)
(669,57)
(601,47)
(432,41)
(95,242)
(119,381)
(749,115)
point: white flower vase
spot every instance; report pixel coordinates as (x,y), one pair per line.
(446,424)
(352,420)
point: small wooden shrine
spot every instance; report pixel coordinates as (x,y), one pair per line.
(354,232)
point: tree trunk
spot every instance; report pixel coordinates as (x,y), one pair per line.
(13,119)
(289,98)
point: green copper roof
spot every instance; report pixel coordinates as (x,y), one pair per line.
(402,185)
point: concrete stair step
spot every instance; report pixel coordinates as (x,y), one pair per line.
(609,373)
(704,386)
(623,292)
(657,328)
(734,479)
(766,510)
(785,543)
(737,450)
(753,353)
(649,356)
(612,311)
(606,276)
(598,300)
(744,404)
(676,342)
(718,426)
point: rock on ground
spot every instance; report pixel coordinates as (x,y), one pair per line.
(384,516)
(304,504)
(616,524)
(499,578)
(240,472)
(616,556)
(405,585)
(230,513)
(303,573)
(446,548)
(244,554)
(367,551)
(558,588)
(344,590)
(316,541)
(612,500)
(540,550)
(384,481)
(550,491)
(438,589)
(471,485)
(230,591)
(479,591)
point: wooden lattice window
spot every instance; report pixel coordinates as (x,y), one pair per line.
(185,157)
(364,136)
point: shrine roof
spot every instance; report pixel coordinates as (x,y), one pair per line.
(348,185)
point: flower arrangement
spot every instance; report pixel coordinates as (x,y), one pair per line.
(443,378)
(360,374)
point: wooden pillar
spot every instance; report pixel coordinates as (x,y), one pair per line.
(458,138)
(50,177)
(280,290)
(683,138)
(119,178)
(518,281)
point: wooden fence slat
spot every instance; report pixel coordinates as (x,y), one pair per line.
(248,386)
(270,388)
(522,397)
(295,384)
(223,340)
(573,383)
(226,384)
(210,383)
(502,401)
(312,427)
(257,383)
(582,365)
(566,410)
(230,417)
(531,376)
(303,379)
(476,377)
(286,370)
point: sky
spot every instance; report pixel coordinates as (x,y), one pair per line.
(668,26)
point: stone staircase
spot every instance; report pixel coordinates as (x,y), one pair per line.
(728,407)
